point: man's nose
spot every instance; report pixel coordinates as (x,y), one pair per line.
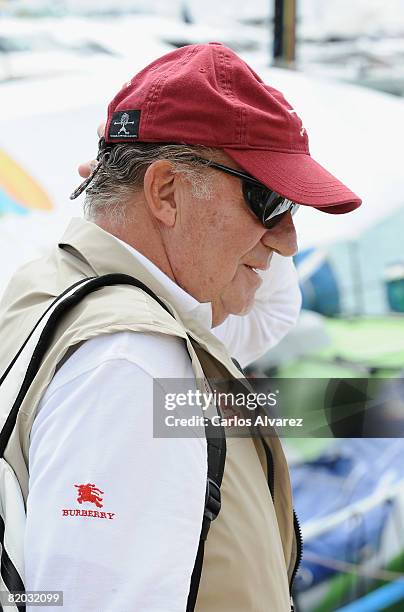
(282,238)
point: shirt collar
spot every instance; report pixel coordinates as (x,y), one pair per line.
(183,302)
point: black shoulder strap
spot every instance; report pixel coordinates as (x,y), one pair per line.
(215,436)
(61,305)
(216,460)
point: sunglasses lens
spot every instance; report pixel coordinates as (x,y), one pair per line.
(267,205)
(256,197)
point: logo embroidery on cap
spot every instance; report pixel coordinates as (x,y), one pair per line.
(302,129)
(88,493)
(124,124)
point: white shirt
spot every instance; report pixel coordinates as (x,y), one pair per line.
(94,426)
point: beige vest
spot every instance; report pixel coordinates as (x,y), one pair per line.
(251,547)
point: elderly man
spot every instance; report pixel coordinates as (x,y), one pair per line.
(200,172)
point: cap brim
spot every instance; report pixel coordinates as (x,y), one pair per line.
(297,176)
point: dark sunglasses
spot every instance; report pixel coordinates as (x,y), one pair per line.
(267,205)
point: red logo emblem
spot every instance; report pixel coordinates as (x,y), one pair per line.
(89,493)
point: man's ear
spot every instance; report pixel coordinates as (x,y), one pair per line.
(159,191)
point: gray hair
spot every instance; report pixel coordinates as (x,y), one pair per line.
(122,172)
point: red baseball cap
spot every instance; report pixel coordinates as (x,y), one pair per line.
(207,95)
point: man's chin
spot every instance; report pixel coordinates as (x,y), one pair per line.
(244,310)
(240,307)
(236,299)
(221,310)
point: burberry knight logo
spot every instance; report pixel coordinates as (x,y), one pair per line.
(88,493)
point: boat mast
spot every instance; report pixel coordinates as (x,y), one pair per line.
(284,30)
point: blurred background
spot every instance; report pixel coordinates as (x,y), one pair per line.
(341,65)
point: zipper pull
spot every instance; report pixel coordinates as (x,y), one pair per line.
(292,605)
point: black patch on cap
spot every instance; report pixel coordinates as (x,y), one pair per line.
(124,125)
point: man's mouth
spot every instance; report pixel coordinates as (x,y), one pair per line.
(258,266)
(252,268)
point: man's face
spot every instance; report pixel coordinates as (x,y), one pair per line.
(217,241)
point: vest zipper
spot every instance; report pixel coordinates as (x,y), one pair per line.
(292,605)
(299,553)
